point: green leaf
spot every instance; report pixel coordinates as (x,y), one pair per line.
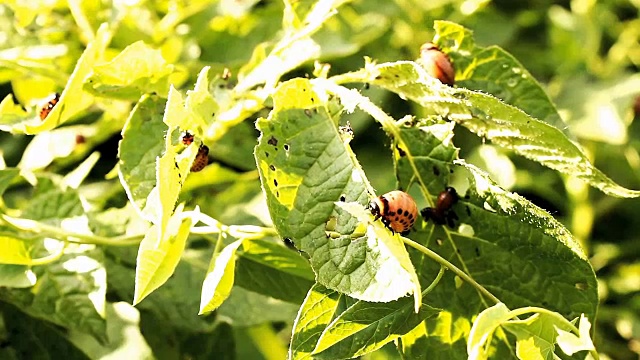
(535,335)
(123,331)
(395,264)
(305,167)
(273,270)
(142,141)
(315,314)
(483,328)
(195,113)
(570,343)
(73,100)
(489,118)
(220,277)
(424,153)
(52,204)
(16,276)
(14,251)
(495,71)
(159,254)
(12,114)
(35,338)
(247,308)
(135,71)
(492,241)
(365,327)
(292,50)
(70,293)
(6,177)
(176,302)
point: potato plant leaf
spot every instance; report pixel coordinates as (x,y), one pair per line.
(292,50)
(6,177)
(305,166)
(159,256)
(316,312)
(14,251)
(495,71)
(273,270)
(536,336)
(483,328)
(571,343)
(73,99)
(365,327)
(510,247)
(248,308)
(16,276)
(220,277)
(40,339)
(135,71)
(142,142)
(70,293)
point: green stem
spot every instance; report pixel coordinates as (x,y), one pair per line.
(56,232)
(50,258)
(440,260)
(434,282)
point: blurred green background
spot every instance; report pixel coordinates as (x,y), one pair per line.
(585,52)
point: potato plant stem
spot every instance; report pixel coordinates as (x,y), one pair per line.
(442,261)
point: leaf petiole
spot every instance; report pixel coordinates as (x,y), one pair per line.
(440,260)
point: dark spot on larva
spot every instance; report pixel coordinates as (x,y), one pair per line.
(467,197)
(213,114)
(451,171)
(80,139)
(275,182)
(468,210)
(286,147)
(396,75)
(272,141)
(391,213)
(266,154)
(366,86)
(378,77)
(400,211)
(307,112)
(313,99)
(273,168)
(343,198)
(477,251)
(436,171)
(410,216)
(277,193)
(401,152)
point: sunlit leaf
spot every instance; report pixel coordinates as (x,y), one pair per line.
(159,256)
(570,343)
(137,70)
(314,315)
(14,251)
(490,118)
(304,168)
(220,277)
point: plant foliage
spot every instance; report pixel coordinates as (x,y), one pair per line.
(275,234)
